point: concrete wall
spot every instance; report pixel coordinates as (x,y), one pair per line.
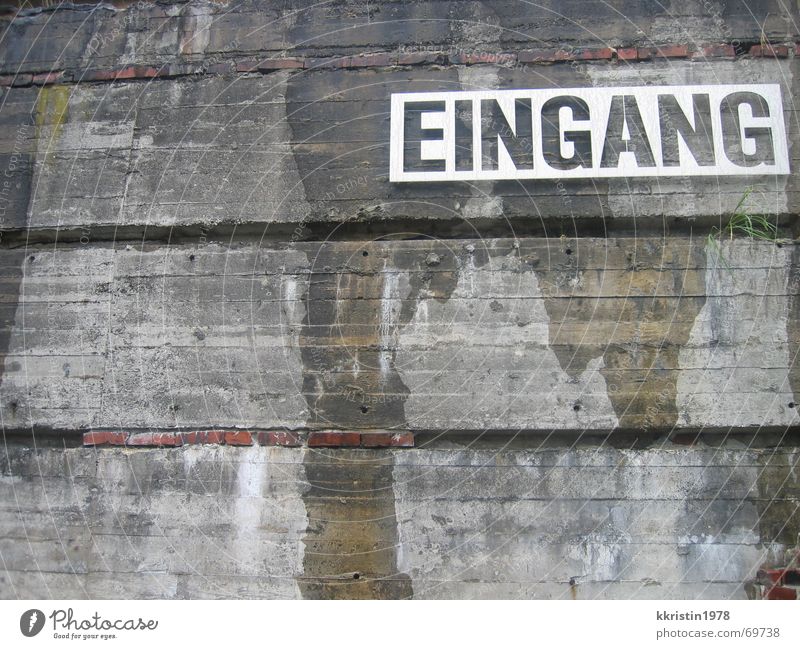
(197,233)
(565,520)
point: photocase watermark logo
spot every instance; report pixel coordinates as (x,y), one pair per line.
(31,622)
(68,626)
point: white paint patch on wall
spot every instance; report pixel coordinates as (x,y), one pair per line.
(268,528)
(391,305)
(734,368)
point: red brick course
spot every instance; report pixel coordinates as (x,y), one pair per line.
(238,438)
(601,54)
(279,438)
(627,54)
(333,438)
(100,437)
(47,78)
(387,59)
(771,51)
(204,437)
(418,58)
(387,438)
(155,439)
(129,72)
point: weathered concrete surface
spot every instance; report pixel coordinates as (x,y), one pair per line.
(147,34)
(194,251)
(448,521)
(206,523)
(530,334)
(306,147)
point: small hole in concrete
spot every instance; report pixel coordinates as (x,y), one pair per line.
(792,404)
(191,257)
(32,258)
(576,407)
(568,251)
(356,575)
(364,409)
(365,253)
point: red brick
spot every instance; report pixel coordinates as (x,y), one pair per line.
(672,51)
(471,58)
(238,438)
(141,72)
(21,80)
(780,592)
(130,72)
(718,51)
(627,53)
(387,438)
(644,53)
(278,438)
(416,58)
(318,64)
(543,56)
(363,61)
(246,66)
(96,438)
(155,439)
(46,78)
(771,51)
(334,438)
(594,54)
(280,64)
(797,49)
(95,75)
(204,437)
(6,79)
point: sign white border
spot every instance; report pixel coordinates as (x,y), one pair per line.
(599,102)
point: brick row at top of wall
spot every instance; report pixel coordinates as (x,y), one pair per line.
(75,37)
(406,57)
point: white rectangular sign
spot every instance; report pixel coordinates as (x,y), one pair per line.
(719,130)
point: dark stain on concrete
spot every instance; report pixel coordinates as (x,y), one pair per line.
(19,121)
(359,295)
(778,497)
(11,272)
(353,306)
(651,320)
(351,541)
